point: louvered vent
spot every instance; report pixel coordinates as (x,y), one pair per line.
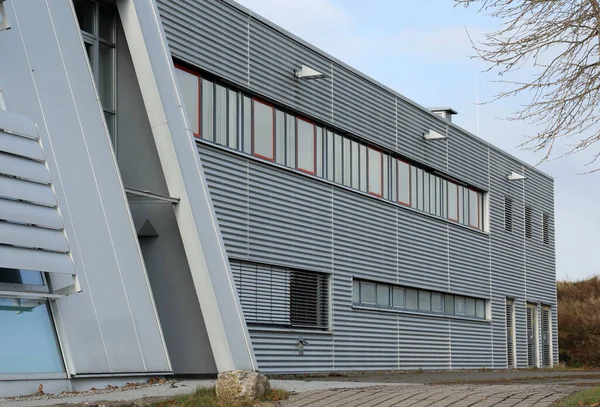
(528,224)
(546,357)
(509,334)
(31,228)
(508,214)
(546,228)
(530,337)
(280,296)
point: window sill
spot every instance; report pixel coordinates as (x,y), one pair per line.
(337,185)
(306,331)
(421,314)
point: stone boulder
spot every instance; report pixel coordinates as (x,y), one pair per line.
(242,384)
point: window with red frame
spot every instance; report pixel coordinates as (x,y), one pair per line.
(263,135)
(305,146)
(375,172)
(189,86)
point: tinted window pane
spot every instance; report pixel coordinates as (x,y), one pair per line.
(330,155)
(398,298)
(383,295)
(338,153)
(403,182)
(473,208)
(106,70)
(290,140)
(436,302)
(246,122)
(208,110)
(363,168)
(367,293)
(420,189)
(106,22)
(448,304)
(413,187)
(480,308)
(306,146)
(424,301)
(355,166)
(412,299)
(347,159)
(263,130)
(459,305)
(85,11)
(188,86)
(375,176)
(319,152)
(470,307)
(220,115)
(232,114)
(452,201)
(27,341)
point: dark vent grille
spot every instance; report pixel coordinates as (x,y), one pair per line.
(509,334)
(280,296)
(508,214)
(546,228)
(528,225)
(530,337)
(546,357)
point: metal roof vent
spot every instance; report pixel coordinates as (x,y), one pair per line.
(445,112)
(308,73)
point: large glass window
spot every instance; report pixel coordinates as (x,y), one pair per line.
(189,85)
(208,110)
(375,172)
(28,342)
(263,145)
(306,146)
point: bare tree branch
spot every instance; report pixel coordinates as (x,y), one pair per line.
(560,41)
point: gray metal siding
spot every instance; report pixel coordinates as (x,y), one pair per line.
(301,222)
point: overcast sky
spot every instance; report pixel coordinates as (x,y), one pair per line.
(421,49)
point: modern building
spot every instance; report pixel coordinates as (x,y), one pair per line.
(186,188)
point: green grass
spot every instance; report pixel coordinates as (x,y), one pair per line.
(585,398)
(207,397)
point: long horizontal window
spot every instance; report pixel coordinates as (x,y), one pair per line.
(283,297)
(387,296)
(232,119)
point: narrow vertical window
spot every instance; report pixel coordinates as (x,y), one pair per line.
(426,191)
(330,156)
(386,176)
(528,224)
(208,111)
(338,157)
(290,140)
(452,201)
(546,228)
(246,124)
(232,119)
(363,168)
(355,166)
(306,146)
(420,181)
(413,186)
(347,159)
(189,86)
(398,297)
(319,151)
(220,115)
(508,214)
(355,291)
(474,209)
(375,172)
(280,137)
(263,137)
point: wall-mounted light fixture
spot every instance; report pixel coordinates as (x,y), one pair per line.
(3,19)
(513,176)
(433,135)
(306,73)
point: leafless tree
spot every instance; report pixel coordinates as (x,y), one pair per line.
(559,40)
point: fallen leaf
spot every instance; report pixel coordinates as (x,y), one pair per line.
(41,389)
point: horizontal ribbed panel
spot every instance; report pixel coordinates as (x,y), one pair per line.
(23,168)
(23,212)
(21,146)
(40,260)
(471,345)
(27,191)
(33,237)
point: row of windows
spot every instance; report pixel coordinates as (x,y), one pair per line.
(508,221)
(378,295)
(234,120)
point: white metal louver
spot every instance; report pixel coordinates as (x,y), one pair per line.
(510,345)
(31,228)
(546,338)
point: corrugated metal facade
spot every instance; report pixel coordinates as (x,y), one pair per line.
(271,214)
